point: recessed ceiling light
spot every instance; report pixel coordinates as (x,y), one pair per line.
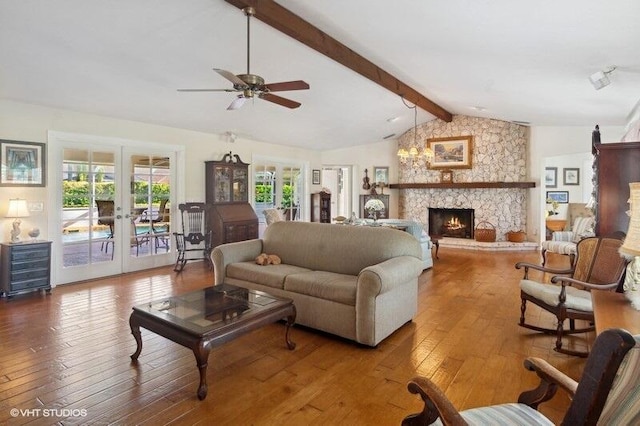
(393,119)
(479,108)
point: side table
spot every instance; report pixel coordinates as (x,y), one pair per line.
(435,239)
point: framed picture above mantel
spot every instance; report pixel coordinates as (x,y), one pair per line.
(453,152)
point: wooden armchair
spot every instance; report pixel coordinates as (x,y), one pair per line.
(598,266)
(606,393)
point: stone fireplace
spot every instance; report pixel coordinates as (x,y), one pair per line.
(489,187)
(457,223)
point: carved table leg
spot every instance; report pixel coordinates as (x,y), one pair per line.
(202,359)
(291,319)
(135,330)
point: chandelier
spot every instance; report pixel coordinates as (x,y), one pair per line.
(413,154)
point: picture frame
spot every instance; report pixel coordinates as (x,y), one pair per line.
(315,177)
(551,177)
(381,175)
(446,176)
(561,197)
(453,152)
(23,163)
(571,176)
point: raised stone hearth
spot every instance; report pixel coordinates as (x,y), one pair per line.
(467,244)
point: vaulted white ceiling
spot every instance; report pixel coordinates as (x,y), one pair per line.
(506,59)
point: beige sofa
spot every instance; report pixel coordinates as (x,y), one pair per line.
(357,282)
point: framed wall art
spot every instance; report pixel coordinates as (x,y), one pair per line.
(381,175)
(561,197)
(571,176)
(451,153)
(315,177)
(551,177)
(23,163)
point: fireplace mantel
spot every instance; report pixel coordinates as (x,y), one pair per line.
(449,185)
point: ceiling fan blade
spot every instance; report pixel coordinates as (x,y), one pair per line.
(287,85)
(237,103)
(231,77)
(206,90)
(279,100)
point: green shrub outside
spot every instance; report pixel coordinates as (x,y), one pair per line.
(264,195)
(76,194)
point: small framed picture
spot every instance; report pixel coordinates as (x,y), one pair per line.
(446,176)
(315,177)
(551,177)
(561,197)
(23,163)
(571,176)
(381,175)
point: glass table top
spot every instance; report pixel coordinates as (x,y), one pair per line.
(212,308)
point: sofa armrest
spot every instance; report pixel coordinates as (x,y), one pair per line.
(384,276)
(225,254)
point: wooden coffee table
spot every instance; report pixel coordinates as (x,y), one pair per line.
(206,318)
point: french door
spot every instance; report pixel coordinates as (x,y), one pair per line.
(279,184)
(114,204)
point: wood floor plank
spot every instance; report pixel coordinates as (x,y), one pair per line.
(70,350)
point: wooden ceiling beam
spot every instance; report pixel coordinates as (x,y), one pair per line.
(273,14)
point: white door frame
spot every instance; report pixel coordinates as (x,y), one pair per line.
(56,143)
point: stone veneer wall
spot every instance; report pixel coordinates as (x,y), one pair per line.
(499,154)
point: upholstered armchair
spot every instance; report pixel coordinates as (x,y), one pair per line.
(564,242)
(606,394)
(273,215)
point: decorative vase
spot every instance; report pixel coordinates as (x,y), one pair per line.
(34,233)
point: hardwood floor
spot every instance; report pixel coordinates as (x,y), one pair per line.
(69,351)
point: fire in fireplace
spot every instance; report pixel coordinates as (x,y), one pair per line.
(456,223)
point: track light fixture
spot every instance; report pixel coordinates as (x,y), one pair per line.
(600,79)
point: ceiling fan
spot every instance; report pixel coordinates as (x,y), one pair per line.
(250,85)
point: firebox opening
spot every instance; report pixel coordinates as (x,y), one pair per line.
(457,223)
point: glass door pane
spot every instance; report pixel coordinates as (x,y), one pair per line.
(88,216)
(148,212)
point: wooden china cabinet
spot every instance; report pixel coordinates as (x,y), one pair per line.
(615,166)
(230,218)
(321,207)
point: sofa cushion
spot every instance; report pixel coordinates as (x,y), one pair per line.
(336,248)
(324,285)
(269,275)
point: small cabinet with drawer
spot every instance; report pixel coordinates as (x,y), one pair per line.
(25,267)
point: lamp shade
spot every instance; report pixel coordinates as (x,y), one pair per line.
(17,208)
(631,246)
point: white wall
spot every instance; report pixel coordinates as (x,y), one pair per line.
(382,154)
(19,121)
(26,122)
(556,141)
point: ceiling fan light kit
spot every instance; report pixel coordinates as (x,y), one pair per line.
(252,85)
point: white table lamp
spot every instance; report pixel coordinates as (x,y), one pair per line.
(17,209)
(631,248)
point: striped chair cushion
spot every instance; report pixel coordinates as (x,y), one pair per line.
(560,247)
(623,403)
(503,415)
(582,228)
(562,236)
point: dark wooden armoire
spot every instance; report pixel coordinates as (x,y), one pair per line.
(615,166)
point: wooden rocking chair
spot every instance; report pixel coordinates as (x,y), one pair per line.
(598,266)
(194,242)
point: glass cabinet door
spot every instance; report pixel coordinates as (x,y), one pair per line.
(222,188)
(240,185)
